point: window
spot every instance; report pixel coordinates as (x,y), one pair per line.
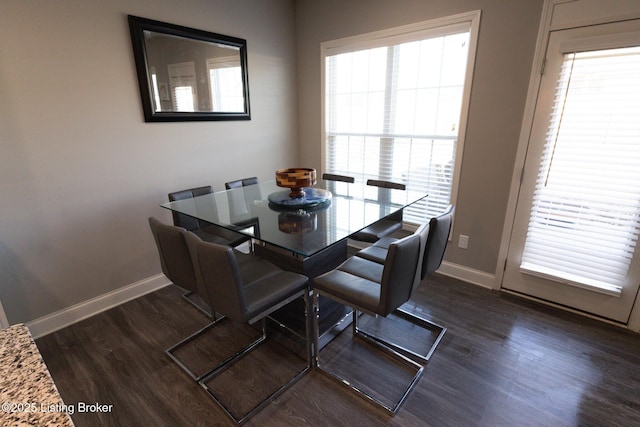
(585,219)
(395,104)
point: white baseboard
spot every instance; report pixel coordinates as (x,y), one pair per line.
(469,275)
(70,315)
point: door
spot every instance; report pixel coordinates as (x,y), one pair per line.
(574,239)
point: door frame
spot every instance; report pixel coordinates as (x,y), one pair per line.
(556,15)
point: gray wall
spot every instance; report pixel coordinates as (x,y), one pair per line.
(506,45)
(80,170)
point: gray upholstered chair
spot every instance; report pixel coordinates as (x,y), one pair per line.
(241,182)
(205,230)
(245,289)
(176,263)
(239,204)
(386,184)
(385,226)
(336,177)
(435,244)
(338,184)
(437,241)
(376,289)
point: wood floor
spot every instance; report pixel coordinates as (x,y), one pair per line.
(502,362)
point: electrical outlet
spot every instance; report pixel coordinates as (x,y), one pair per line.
(463,241)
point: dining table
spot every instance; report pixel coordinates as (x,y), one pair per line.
(308,234)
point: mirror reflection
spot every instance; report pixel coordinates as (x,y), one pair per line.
(192,75)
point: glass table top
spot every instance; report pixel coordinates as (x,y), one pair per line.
(303,230)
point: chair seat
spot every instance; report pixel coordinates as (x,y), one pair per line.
(385,242)
(210,237)
(272,291)
(363,268)
(254,270)
(385,226)
(350,288)
(437,239)
(374,253)
(377,230)
(378,251)
(244,259)
(220,235)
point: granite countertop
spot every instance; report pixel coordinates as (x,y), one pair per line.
(28,394)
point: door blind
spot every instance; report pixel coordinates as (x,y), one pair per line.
(584,223)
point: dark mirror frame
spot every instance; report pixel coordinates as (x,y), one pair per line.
(138,26)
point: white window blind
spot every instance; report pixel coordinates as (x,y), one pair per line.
(584,224)
(183,98)
(392,111)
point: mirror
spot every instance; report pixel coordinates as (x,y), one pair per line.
(187,74)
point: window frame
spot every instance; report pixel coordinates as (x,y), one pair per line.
(432,28)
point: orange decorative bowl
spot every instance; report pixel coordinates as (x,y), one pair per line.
(296,179)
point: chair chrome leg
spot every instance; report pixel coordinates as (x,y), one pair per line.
(308,327)
(186,341)
(398,357)
(233,359)
(241,420)
(316,339)
(418,321)
(239,354)
(426,324)
(206,311)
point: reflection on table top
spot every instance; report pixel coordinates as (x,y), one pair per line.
(304,231)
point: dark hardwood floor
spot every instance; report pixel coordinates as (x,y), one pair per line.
(503,362)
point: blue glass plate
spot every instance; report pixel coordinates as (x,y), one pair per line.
(312,197)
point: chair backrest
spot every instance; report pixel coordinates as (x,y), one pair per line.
(399,273)
(175,257)
(193,240)
(241,183)
(185,221)
(423,234)
(221,279)
(439,229)
(239,199)
(335,177)
(386,184)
